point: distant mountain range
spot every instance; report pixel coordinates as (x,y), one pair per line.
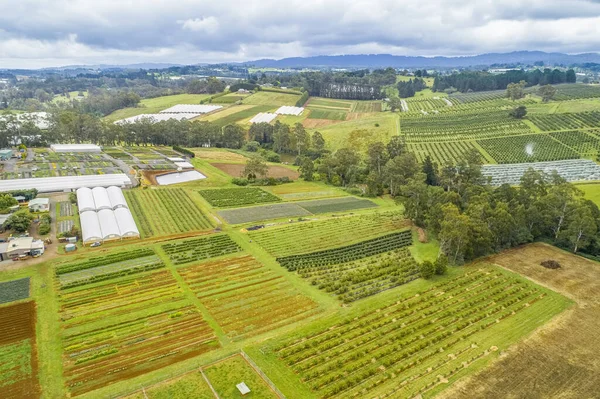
(400,61)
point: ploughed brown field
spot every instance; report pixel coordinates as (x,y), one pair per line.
(560,360)
(236,170)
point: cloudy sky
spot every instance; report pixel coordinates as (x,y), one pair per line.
(41,33)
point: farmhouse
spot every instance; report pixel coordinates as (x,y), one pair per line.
(39,205)
(20,246)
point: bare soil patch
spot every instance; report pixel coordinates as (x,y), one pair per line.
(560,360)
(236,170)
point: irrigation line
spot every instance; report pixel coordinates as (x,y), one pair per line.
(263,375)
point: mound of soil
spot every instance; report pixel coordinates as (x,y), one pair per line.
(422,235)
(550,264)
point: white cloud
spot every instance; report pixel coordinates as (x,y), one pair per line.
(208,25)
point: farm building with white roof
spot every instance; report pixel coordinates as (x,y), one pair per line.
(288,110)
(65,183)
(155,118)
(263,117)
(191,109)
(75,148)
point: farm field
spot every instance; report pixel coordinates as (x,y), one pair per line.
(442,153)
(218,155)
(359,133)
(535,363)
(237,114)
(530,148)
(274,99)
(303,190)
(14,290)
(196,249)
(235,170)
(416,341)
(191,385)
(224,376)
(157,104)
(586,143)
(300,208)
(126,326)
(566,121)
(591,192)
(305,237)
(166,212)
(245,297)
(18,351)
(232,197)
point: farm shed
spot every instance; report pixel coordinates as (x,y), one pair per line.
(85,200)
(5,154)
(75,148)
(288,110)
(108,225)
(191,109)
(101,199)
(117,199)
(127,226)
(243,388)
(39,205)
(90,227)
(65,183)
(16,247)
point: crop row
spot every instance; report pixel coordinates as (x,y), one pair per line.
(231,197)
(404,338)
(461,126)
(530,148)
(442,153)
(103,260)
(114,274)
(14,290)
(365,277)
(586,143)
(245,297)
(196,249)
(554,122)
(348,253)
(307,236)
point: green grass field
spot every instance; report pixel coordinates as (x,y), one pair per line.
(360,132)
(272,99)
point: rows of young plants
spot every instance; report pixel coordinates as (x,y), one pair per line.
(18,353)
(467,98)
(303,237)
(403,348)
(166,212)
(456,126)
(529,148)
(586,143)
(576,91)
(96,261)
(364,277)
(442,153)
(120,328)
(232,197)
(245,297)
(14,290)
(66,208)
(200,248)
(567,121)
(349,253)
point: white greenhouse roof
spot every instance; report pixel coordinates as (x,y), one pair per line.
(62,183)
(287,110)
(117,199)
(108,224)
(85,200)
(39,201)
(571,170)
(90,227)
(176,159)
(184,165)
(127,226)
(155,118)
(101,198)
(75,148)
(263,117)
(191,109)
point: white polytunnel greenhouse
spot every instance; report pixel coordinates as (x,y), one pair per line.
(117,199)
(90,227)
(85,200)
(101,198)
(105,215)
(126,223)
(108,225)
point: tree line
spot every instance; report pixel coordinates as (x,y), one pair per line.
(466,81)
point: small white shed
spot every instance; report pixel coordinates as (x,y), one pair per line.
(243,388)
